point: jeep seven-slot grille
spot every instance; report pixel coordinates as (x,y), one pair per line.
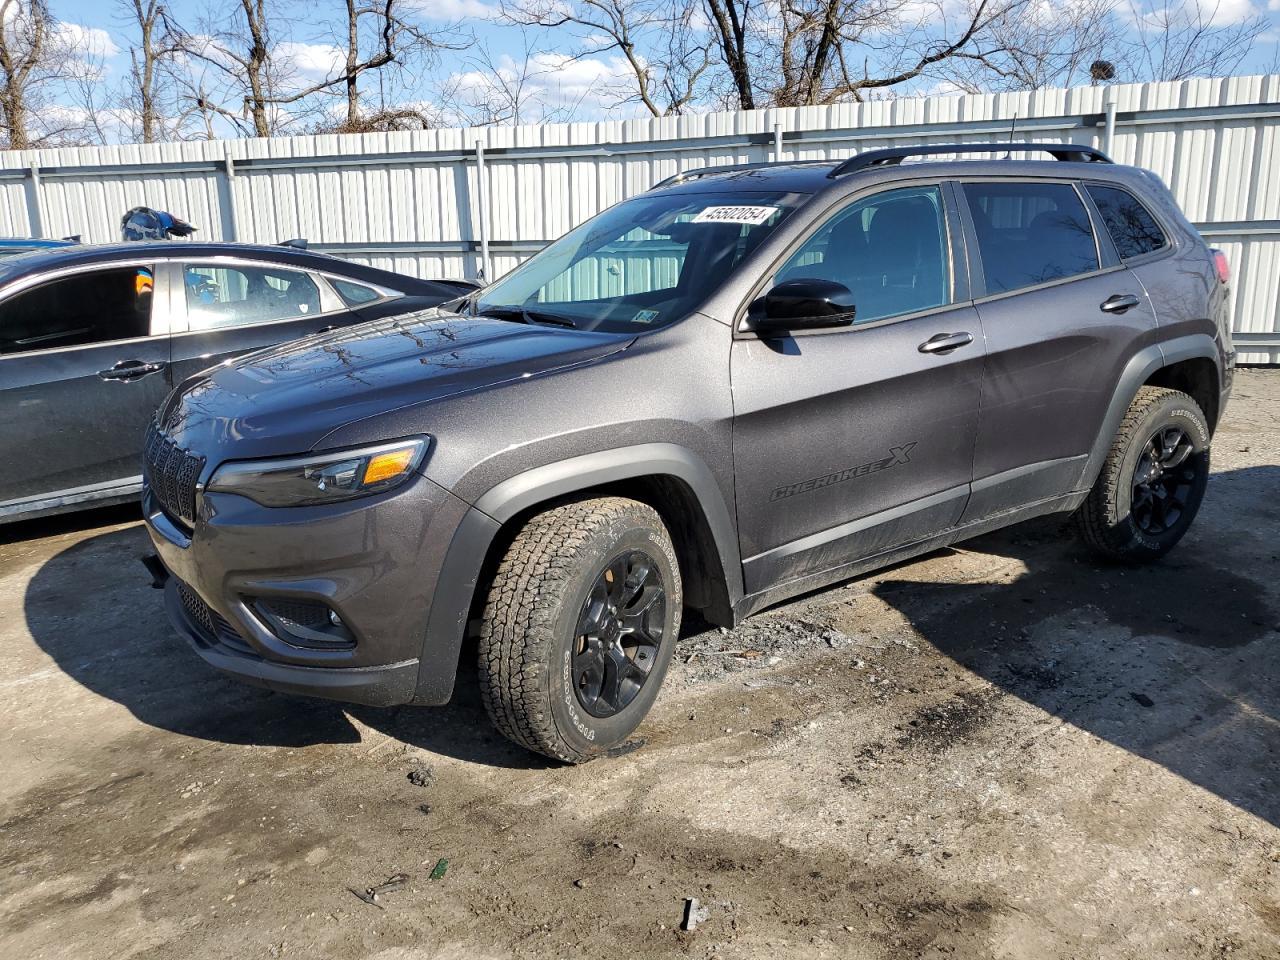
(172,473)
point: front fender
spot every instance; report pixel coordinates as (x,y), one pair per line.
(459,576)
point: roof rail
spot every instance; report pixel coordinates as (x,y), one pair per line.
(894,155)
(696,172)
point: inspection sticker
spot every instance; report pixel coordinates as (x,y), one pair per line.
(749,215)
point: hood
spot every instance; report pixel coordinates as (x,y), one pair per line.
(286,398)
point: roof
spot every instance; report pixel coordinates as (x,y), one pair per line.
(58,257)
(54,257)
(34,243)
(798,177)
(811,177)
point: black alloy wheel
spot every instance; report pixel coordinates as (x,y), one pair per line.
(619,633)
(1163,480)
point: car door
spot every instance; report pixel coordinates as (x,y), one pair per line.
(223,307)
(851,441)
(1062,316)
(83,365)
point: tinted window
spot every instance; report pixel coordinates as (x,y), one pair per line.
(1133,229)
(354,294)
(889,249)
(219,296)
(82,309)
(1030,233)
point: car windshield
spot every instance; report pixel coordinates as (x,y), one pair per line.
(641,264)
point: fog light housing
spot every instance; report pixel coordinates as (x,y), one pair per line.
(312,624)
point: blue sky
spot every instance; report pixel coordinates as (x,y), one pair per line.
(581,88)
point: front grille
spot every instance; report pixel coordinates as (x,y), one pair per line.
(171,473)
(214,627)
(201,613)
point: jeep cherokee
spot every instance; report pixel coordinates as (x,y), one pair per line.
(743,384)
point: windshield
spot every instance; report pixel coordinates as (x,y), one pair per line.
(641,264)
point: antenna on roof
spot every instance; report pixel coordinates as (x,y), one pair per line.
(1013,128)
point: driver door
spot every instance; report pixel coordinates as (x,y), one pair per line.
(851,441)
(83,366)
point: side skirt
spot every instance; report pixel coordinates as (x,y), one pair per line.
(756,602)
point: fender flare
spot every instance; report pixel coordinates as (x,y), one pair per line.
(460,572)
(1136,372)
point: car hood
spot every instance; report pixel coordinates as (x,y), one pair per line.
(287,398)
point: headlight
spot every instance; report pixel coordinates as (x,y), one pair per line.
(322,477)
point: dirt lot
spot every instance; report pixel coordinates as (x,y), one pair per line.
(1004,750)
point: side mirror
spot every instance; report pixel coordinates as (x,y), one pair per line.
(803,304)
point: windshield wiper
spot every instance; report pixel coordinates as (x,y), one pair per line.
(521,315)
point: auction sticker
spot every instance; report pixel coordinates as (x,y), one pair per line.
(749,215)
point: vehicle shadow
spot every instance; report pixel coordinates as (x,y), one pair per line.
(92,609)
(1175,662)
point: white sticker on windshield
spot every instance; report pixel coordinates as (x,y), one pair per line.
(645,316)
(749,215)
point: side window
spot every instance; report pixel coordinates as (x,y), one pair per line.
(85,308)
(889,249)
(223,296)
(1130,224)
(354,294)
(1030,233)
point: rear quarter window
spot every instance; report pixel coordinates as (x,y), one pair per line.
(1133,229)
(354,294)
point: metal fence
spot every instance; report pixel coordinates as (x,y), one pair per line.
(460,201)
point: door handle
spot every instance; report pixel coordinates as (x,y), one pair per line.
(1119,303)
(129,370)
(945,342)
(329,329)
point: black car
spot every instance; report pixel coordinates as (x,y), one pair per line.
(92,339)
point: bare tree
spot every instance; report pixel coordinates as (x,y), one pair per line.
(43,66)
(25,47)
(1035,45)
(1187,38)
(377,38)
(151,92)
(262,93)
(665,84)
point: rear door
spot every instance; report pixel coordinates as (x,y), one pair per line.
(84,362)
(1062,315)
(224,307)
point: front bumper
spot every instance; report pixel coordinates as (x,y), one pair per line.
(377,562)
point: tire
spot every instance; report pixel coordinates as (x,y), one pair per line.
(551,650)
(1126,520)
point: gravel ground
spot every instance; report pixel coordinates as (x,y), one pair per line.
(1000,750)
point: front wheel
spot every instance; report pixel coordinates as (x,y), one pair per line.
(579,626)
(1152,482)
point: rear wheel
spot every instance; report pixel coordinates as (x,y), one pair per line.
(579,627)
(1152,482)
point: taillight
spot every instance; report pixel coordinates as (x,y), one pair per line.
(1221,265)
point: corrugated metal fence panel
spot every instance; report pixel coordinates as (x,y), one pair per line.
(411,201)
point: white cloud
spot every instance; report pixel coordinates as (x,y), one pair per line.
(311,61)
(453,9)
(554,83)
(86,41)
(1209,13)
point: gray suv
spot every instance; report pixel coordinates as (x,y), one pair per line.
(746,383)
